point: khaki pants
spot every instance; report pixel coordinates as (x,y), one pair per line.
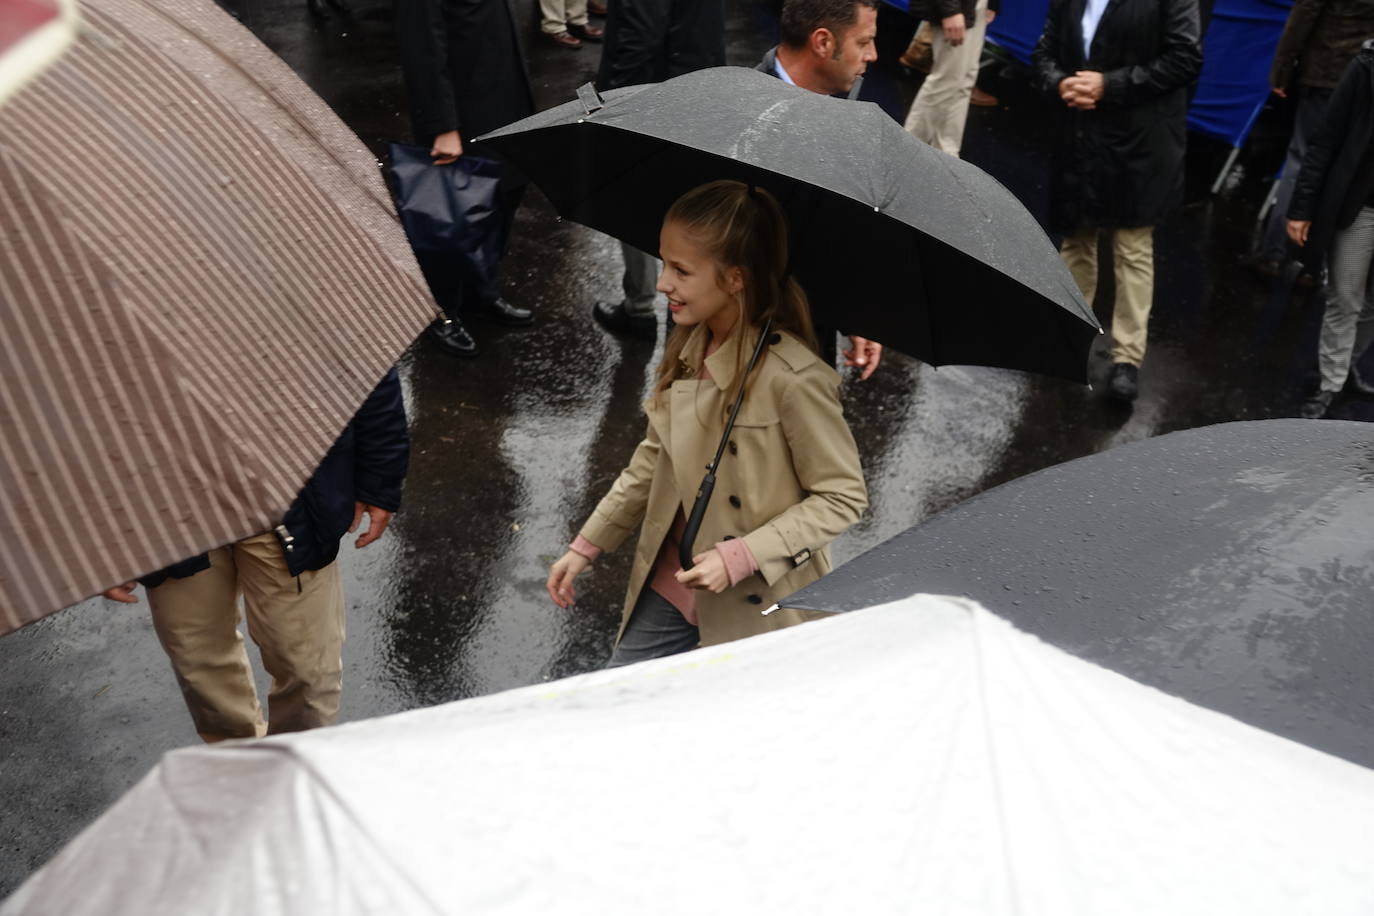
(300,634)
(940,109)
(1133,259)
(556,15)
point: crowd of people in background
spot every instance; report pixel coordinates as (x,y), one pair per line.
(1118,75)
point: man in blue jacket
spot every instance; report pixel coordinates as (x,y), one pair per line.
(290,585)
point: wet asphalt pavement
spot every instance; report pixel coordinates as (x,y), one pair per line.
(512,450)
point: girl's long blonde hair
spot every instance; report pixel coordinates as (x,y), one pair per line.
(744,227)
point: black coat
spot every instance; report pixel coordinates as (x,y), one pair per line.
(1120,165)
(649,41)
(367,463)
(1337,176)
(463,65)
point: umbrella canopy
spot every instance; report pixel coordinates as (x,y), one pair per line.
(922,756)
(891,238)
(202,278)
(33,34)
(1232,566)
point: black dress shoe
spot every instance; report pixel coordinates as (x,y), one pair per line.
(453,338)
(499,311)
(1124,382)
(1315,407)
(614,318)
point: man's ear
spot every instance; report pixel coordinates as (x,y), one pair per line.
(823,43)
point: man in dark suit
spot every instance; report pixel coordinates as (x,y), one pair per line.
(465,75)
(1119,73)
(826,47)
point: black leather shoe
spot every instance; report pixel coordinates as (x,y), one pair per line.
(614,318)
(499,311)
(1355,383)
(453,338)
(1315,407)
(1124,382)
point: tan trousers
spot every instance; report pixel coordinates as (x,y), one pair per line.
(300,634)
(940,109)
(556,15)
(1133,259)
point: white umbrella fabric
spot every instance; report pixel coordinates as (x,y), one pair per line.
(921,756)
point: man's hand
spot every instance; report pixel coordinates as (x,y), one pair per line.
(953,27)
(707,572)
(1083,90)
(992,14)
(1280,92)
(447,148)
(561,576)
(377,520)
(1297,231)
(122,593)
(863,352)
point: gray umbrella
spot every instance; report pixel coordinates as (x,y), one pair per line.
(893,240)
(1232,566)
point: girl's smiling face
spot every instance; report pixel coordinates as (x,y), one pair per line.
(699,288)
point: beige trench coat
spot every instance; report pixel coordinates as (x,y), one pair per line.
(788,483)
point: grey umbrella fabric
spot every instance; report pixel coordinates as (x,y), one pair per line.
(1232,566)
(892,239)
(202,277)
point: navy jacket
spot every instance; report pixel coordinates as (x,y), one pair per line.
(367,463)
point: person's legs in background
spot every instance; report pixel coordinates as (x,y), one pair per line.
(633,316)
(298,625)
(1133,263)
(940,109)
(1348,322)
(196,620)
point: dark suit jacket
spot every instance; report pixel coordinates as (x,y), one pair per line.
(463,65)
(649,41)
(1120,165)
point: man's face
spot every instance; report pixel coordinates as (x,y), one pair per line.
(854,50)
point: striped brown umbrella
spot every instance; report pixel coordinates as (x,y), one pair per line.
(201,279)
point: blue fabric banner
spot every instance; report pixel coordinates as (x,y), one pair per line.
(1236,54)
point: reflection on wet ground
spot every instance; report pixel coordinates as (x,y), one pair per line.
(511,451)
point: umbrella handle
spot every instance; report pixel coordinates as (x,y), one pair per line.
(689,533)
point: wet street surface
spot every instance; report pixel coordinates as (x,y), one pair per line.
(512,450)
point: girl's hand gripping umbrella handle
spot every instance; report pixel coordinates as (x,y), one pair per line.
(689,533)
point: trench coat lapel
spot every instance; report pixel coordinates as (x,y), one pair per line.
(694,404)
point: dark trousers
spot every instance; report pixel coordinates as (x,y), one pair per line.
(656,629)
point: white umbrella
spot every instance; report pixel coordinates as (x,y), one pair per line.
(922,756)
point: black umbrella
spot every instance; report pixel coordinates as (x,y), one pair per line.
(1232,566)
(893,240)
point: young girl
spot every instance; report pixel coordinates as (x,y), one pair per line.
(789,481)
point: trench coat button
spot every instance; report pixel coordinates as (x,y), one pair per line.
(755,599)
(734,449)
(734,501)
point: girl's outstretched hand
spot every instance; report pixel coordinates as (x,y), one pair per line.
(708,572)
(561,576)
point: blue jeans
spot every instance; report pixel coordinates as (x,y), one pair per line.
(656,629)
